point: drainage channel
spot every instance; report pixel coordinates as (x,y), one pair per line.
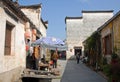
(28,79)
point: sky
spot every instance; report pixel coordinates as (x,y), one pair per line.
(55,11)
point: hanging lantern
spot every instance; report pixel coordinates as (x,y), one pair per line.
(27,47)
(33,38)
(34,31)
(27,34)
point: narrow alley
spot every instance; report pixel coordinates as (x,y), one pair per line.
(44,40)
(80,73)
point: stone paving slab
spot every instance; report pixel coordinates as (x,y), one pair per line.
(61,68)
(80,73)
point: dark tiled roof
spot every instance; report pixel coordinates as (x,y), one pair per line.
(44,23)
(31,6)
(97,11)
(15,9)
(72,18)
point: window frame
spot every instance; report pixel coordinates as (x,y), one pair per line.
(8,38)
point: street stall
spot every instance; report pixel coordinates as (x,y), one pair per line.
(45,69)
(47,44)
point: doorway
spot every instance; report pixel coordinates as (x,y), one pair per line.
(78,49)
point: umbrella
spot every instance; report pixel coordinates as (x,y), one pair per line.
(51,43)
(49,40)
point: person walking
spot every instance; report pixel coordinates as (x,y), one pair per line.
(55,57)
(78,57)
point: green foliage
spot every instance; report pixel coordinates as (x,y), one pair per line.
(91,41)
(104,61)
(107,69)
(114,55)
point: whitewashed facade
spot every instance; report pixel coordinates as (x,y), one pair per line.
(33,12)
(11,64)
(80,28)
(43,27)
(13,26)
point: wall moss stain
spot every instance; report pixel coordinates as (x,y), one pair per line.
(117,34)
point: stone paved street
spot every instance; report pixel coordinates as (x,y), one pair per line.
(61,68)
(80,73)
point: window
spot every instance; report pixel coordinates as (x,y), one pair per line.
(8,36)
(108,44)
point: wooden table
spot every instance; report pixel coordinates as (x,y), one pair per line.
(43,66)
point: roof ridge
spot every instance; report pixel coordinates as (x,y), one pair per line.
(96,11)
(31,6)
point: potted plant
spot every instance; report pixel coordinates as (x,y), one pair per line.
(115,68)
